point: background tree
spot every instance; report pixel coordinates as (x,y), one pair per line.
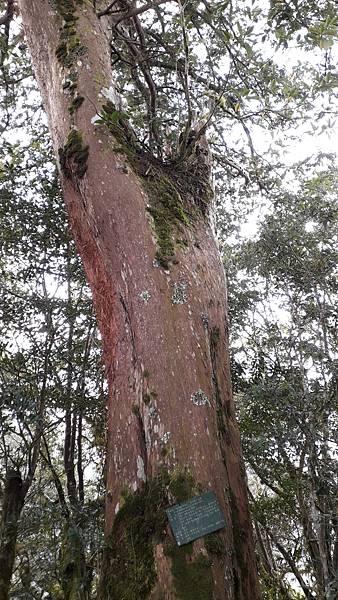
(50,376)
(285,373)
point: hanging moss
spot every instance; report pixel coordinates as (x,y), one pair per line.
(74,155)
(178,194)
(141,523)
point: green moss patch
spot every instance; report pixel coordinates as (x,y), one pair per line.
(183,486)
(192,577)
(168,212)
(128,562)
(74,155)
(75,105)
(215,544)
(70,47)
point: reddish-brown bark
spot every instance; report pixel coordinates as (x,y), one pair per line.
(164,331)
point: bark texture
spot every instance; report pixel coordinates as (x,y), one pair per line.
(160,300)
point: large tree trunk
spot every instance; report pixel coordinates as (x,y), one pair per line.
(159,293)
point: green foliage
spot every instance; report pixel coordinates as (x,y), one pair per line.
(284,307)
(318,19)
(49,352)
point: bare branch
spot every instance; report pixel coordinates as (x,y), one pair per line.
(107,10)
(133,12)
(8,16)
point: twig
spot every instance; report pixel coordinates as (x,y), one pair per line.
(107,10)
(133,12)
(8,16)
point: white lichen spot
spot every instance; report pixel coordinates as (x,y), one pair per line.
(199,398)
(134,486)
(117,508)
(156,264)
(140,468)
(144,296)
(152,412)
(165,437)
(179,294)
(79,63)
(148,440)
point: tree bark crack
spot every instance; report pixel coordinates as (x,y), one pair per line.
(130,326)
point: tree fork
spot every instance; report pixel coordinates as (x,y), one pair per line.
(159,294)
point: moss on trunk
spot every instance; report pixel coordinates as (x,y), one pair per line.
(129,569)
(76,576)
(178,192)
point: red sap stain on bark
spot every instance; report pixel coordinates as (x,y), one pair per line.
(104,296)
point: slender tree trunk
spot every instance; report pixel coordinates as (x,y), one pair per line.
(13,500)
(15,493)
(159,293)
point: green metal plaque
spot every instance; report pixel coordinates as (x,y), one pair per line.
(196,517)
